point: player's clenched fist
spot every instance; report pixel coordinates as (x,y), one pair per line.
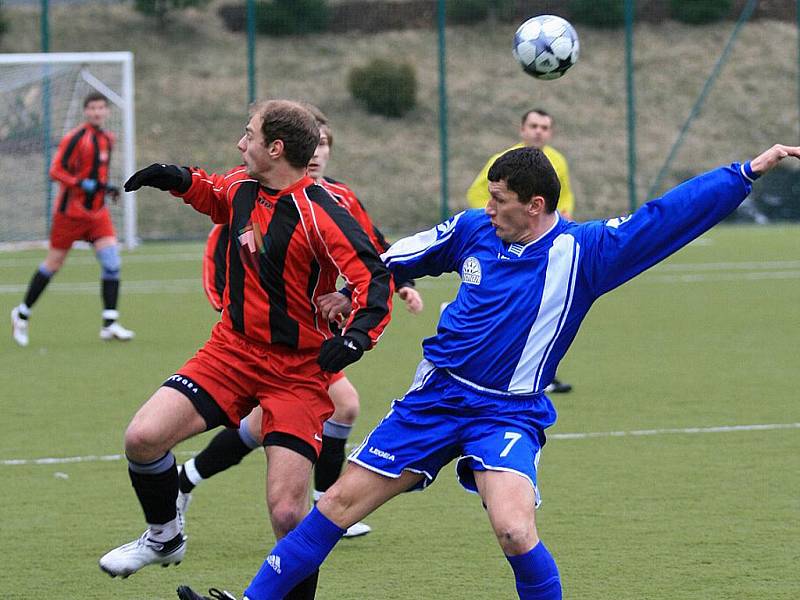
(338,352)
(164,177)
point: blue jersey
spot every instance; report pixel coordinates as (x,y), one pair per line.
(519,306)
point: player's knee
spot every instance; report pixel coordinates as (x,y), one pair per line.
(515,537)
(347,406)
(110,262)
(286,515)
(142,444)
(51,265)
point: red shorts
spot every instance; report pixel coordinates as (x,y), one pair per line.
(288,384)
(66,230)
(338,376)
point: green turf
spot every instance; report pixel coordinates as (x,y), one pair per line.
(666,516)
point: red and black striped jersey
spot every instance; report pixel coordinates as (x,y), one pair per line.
(215,265)
(348,199)
(84,153)
(285,248)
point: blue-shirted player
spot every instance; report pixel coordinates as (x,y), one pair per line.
(528,280)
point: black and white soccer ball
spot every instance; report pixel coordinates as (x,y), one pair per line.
(546,46)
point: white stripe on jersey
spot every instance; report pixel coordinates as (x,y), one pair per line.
(559,284)
(415,245)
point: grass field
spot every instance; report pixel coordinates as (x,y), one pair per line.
(669,510)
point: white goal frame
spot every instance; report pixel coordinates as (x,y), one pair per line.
(124,101)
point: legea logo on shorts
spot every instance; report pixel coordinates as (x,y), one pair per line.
(184,382)
(381,453)
(471,271)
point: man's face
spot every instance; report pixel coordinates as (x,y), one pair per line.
(536,131)
(255,154)
(318,163)
(96,112)
(510,217)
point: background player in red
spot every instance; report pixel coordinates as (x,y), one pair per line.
(81,167)
(230,446)
(289,241)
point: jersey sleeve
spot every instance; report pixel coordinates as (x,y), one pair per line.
(619,249)
(59,168)
(346,244)
(431,252)
(208,193)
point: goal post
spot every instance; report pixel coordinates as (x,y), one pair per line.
(41,99)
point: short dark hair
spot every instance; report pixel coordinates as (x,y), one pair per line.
(292,123)
(538,111)
(94,97)
(528,173)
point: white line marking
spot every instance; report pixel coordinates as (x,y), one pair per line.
(12,462)
(731,266)
(678,430)
(701,277)
(553,436)
(89,259)
(145,286)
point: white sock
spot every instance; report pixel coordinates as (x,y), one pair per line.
(164,532)
(191,471)
(23,310)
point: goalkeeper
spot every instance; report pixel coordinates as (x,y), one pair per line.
(81,166)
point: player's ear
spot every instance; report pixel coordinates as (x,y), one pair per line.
(275,149)
(537,205)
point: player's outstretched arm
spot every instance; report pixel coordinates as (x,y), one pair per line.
(769,159)
(170,178)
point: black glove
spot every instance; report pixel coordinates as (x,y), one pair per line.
(170,178)
(338,352)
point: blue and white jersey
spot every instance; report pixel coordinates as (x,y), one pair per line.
(520,306)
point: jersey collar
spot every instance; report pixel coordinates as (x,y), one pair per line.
(516,250)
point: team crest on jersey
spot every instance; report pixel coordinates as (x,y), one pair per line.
(471,271)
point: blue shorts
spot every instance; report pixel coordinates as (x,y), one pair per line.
(441,419)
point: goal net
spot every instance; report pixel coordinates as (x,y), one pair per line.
(41,99)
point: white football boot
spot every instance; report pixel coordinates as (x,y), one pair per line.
(115,331)
(19,327)
(357,529)
(129,558)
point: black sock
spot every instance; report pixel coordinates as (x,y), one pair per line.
(329,464)
(305,590)
(110,290)
(38,282)
(225,450)
(157,493)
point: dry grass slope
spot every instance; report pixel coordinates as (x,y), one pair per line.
(191,102)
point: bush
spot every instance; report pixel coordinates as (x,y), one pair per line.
(290,17)
(160,9)
(598,13)
(466,12)
(385,87)
(698,12)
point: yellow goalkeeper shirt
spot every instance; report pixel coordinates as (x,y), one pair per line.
(478,192)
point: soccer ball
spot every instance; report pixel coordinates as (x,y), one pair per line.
(546,46)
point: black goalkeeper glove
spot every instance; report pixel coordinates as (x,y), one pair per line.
(338,352)
(170,178)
